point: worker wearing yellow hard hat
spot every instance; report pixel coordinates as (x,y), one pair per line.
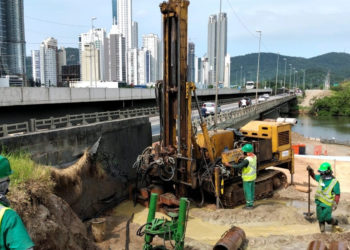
(327,196)
(13,234)
(248,166)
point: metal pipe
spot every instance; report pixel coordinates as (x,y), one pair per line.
(217,186)
(317,245)
(181,223)
(232,239)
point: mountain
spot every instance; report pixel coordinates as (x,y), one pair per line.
(316,68)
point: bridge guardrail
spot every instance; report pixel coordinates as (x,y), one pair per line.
(35,125)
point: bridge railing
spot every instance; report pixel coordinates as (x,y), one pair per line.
(234,116)
(35,125)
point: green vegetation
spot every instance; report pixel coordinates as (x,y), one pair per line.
(26,170)
(336,105)
(338,64)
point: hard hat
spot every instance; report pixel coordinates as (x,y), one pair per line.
(5,169)
(324,167)
(248,148)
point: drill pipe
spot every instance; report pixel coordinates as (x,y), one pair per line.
(317,245)
(232,239)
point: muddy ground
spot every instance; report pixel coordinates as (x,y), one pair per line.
(275,223)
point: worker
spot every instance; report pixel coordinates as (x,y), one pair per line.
(327,196)
(13,234)
(248,166)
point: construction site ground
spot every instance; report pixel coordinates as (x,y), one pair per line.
(275,223)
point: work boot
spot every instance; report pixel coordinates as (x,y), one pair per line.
(322,227)
(337,229)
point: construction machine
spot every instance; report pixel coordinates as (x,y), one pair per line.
(186,162)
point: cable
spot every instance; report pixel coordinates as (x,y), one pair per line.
(57,23)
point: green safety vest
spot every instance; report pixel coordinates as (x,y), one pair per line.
(326,196)
(249,172)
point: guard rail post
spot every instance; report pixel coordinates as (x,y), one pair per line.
(97,118)
(69,124)
(52,123)
(84,122)
(109,116)
(32,126)
(4,130)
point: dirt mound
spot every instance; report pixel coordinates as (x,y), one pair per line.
(311,95)
(50,221)
(71,178)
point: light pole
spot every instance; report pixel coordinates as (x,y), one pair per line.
(295,71)
(278,59)
(258,70)
(241,76)
(285,73)
(92,46)
(290,76)
(217,74)
(304,79)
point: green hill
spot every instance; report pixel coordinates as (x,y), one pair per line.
(338,64)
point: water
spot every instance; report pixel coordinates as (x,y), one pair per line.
(337,128)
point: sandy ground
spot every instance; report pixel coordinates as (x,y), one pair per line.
(314,93)
(276,223)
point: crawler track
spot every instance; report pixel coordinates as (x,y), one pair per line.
(267,182)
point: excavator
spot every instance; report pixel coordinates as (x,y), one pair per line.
(190,163)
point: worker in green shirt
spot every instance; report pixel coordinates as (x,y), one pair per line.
(327,196)
(248,166)
(13,234)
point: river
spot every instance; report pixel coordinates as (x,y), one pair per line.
(337,128)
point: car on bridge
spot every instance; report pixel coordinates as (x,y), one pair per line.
(208,108)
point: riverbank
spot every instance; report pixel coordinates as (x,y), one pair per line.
(327,149)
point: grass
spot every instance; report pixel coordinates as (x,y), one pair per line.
(26,170)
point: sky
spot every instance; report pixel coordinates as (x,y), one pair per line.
(304,28)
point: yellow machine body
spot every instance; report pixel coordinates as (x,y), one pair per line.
(278,133)
(220,139)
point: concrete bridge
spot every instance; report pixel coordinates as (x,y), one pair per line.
(21,104)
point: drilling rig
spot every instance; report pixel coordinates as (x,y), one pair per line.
(186,162)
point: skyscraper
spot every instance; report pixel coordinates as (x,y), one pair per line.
(124,9)
(114,12)
(12,41)
(117,56)
(191,62)
(134,35)
(96,38)
(36,65)
(48,62)
(151,43)
(217,47)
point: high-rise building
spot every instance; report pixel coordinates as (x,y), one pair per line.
(151,43)
(94,38)
(48,62)
(132,66)
(12,40)
(196,69)
(134,35)
(143,66)
(36,65)
(217,47)
(191,62)
(61,61)
(90,64)
(72,56)
(124,10)
(29,73)
(117,56)
(114,12)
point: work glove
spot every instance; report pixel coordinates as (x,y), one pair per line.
(309,169)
